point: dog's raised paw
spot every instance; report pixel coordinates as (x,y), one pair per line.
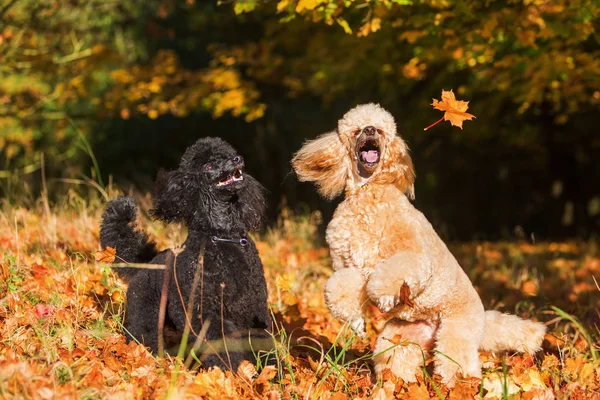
(358,326)
(386,303)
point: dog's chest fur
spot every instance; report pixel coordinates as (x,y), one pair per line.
(232,281)
(370,225)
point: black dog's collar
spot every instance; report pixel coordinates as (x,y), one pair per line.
(243,241)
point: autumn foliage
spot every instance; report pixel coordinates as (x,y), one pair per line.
(61,321)
(84,83)
(454,110)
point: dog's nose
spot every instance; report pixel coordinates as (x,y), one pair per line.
(238,159)
(369,130)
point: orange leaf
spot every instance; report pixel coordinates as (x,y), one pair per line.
(454,109)
(417,392)
(465,389)
(266,374)
(107,255)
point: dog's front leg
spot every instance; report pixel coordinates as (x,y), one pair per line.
(346,297)
(398,279)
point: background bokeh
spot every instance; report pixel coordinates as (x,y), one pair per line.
(102,91)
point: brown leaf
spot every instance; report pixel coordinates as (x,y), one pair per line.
(266,374)
(405,295)
(454,109)
(107,255)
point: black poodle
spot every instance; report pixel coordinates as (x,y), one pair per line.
(219,204)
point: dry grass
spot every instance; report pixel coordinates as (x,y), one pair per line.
(61,312)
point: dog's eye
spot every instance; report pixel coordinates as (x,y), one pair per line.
(207,167)
(356,132)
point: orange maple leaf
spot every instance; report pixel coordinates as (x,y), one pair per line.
(454,109)
(107,255)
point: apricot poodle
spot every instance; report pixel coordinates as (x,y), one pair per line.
(385,251)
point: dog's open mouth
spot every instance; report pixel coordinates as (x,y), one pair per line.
(369,154)
(235,176)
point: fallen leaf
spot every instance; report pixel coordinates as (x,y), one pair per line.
(498,385)
(247,371)
(273,394)
(454,109)
(385,392)
(107,255)
(339,396)
(539,394)
(266,374)
(43,310)
(465,389)
(416,391)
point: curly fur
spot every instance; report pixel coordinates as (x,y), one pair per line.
(193,195)
(385,251)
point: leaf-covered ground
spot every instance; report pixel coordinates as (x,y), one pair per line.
(61,313)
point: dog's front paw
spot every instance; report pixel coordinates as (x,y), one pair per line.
(386,303)
(358,326)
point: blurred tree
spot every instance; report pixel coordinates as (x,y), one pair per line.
(537,53)
(136,82)
(66,64)
(531,69)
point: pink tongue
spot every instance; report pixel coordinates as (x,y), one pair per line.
(370,156)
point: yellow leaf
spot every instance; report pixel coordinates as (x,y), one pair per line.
(344,24)
(306,5)
(154,87)
(411,36)
(375,24)
(282,5)
(289,299)
(498,385)
(283,282)
(534,381)
(586,372)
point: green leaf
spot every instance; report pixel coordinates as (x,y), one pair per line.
(244,6)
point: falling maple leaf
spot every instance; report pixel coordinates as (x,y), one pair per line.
(107,255)
(454,109)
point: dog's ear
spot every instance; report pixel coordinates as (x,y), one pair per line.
(324,161)
(174,192)
(397,167)
(251,204)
